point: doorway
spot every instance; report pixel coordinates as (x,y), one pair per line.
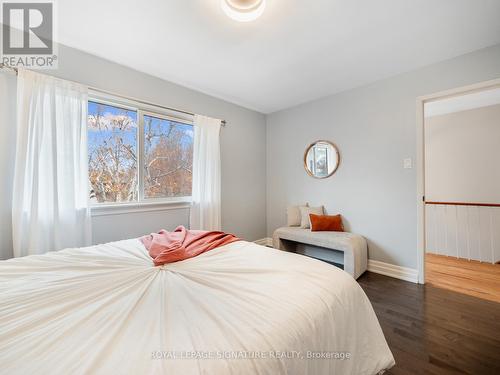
(459,190)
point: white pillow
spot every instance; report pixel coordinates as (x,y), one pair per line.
(293,215)
(305,221)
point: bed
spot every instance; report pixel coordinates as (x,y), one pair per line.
(239,309)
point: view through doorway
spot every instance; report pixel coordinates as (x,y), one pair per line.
(462,193)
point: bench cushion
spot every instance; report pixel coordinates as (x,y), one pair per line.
(353,245)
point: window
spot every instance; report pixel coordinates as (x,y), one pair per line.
(112,149)
(168,158)
(138,154)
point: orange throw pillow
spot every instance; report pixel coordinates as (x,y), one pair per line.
(323,223)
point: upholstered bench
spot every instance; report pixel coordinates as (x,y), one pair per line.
(352,245)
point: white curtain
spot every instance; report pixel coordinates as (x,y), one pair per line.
(206,209)
(50,202)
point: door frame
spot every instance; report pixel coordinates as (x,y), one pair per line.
(420,159)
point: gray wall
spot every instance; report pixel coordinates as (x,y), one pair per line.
(375,129)
(462,152)
(243,150)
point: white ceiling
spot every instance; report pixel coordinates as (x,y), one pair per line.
(299,50)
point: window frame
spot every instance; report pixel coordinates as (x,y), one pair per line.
(142,203)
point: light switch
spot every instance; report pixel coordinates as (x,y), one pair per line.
(407,163)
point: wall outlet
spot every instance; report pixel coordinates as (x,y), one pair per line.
(407,163)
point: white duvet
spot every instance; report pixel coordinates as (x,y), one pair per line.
(238,309)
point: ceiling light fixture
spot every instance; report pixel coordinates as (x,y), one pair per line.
(243,10)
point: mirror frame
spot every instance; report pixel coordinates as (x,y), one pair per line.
(307,151)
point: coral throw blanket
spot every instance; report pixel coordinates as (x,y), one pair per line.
(168,247)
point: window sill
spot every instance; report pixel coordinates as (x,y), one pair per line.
(126,208)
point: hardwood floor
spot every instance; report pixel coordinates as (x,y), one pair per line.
(435,331)
(474,278)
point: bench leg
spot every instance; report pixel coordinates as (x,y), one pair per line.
(281,244)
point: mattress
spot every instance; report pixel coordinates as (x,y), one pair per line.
(239,309)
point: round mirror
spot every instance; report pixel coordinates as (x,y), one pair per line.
(321,159)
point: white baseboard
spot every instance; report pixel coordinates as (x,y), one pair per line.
(398,272)
(267,241)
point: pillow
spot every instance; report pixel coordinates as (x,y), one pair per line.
(293,215)
(305,212)
(321,223)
